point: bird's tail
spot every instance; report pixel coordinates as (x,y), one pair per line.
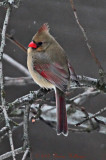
(61,113)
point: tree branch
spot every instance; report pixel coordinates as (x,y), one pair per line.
(101,70)
(3,106)
(3,130)
(26,144)
(75,116)
(16,64)
(93,116)
(25,154)
(9,154)
(84,82)
(27,99)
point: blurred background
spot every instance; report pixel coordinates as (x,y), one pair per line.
(23,24)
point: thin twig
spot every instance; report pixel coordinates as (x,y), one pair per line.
(14,41)
(87,116)
(25,154)
(81,98)
(78,130)
(92,116)
(14,128)
(101,70)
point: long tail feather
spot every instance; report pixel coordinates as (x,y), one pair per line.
(61,113)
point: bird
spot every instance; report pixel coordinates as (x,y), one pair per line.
(50,68)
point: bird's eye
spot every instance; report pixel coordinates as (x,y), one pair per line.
(34,42)
(39,44)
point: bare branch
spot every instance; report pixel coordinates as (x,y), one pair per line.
(93,116)
(84,82)
(20,81)
(26,127)
(13,3)
(9,154)
(38,104)
(81,98)
(101,70)
(80,130)
(27,99)
(74,118)
(87,116)
(2,81)
(3,130)
(87,80)
(25,154)
(91,82)
(16,64)
(14,41)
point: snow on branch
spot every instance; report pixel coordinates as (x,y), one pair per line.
(3,102)
(75,116)
(9,154)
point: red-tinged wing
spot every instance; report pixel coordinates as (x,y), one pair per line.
(54,73)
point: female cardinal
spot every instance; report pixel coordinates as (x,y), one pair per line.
(49,67)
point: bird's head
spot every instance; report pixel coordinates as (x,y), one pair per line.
(41,40)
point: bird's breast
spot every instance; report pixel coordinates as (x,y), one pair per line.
(42,82)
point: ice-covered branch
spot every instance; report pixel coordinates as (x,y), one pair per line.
(26,144)
(25,154)
(12,3)
(27,99)
(9,154)
(3,130)
(93,116)
(49,114)
(92,82)
(85,81)
(18,81)
(81,98)
(3,106)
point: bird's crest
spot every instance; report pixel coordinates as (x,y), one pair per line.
(45,28)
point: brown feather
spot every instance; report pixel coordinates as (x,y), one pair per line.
(45,27)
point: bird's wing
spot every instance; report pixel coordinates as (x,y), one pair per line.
(73,76)
(53,72)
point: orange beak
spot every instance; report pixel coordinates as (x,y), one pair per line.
(32,45)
